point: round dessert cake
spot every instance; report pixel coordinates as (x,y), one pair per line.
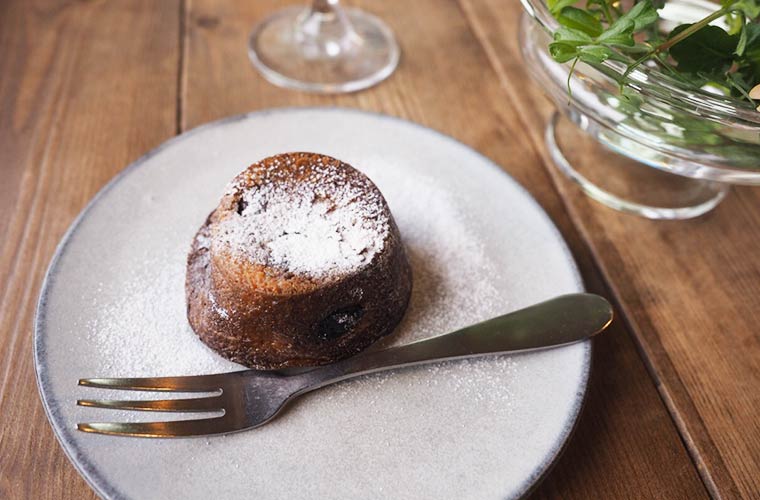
(301,264)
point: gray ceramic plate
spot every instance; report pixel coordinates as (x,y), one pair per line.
(113,305)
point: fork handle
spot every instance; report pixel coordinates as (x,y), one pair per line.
(563,320)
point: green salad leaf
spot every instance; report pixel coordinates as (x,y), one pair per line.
(701,54)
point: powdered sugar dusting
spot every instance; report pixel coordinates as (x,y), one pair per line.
(325,223)
(453,277)
(453,287)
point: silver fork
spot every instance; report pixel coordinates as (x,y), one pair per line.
(251,398)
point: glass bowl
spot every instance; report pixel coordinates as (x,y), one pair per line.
(657,148)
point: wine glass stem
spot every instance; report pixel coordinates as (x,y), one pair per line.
(325,6)
(325,31)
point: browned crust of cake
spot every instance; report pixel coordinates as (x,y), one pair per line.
(237,310)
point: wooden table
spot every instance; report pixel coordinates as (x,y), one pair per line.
(86,87)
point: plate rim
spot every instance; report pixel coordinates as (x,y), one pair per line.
(63,435)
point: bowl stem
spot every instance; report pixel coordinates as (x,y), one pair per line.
(623,183)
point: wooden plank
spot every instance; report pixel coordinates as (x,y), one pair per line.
(86,88)
(626,443)
(690,289)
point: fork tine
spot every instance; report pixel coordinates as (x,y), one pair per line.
(193,383)
(177,428)
(213,403)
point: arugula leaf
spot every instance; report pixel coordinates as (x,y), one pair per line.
(750,8)
(556,6)
(594,54)
(742,45)
(739,84)
(562,52)
(749,42)
(572,37)
(643,14)
(621,31)
(736,22)
(581,20)
(709,49)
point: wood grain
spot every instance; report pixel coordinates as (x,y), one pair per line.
(690,290)
(626,444)
(86,88)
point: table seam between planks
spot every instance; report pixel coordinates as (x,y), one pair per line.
(643,348)
(184,46)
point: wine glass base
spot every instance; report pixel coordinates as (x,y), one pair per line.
(367,58)
(623,183)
